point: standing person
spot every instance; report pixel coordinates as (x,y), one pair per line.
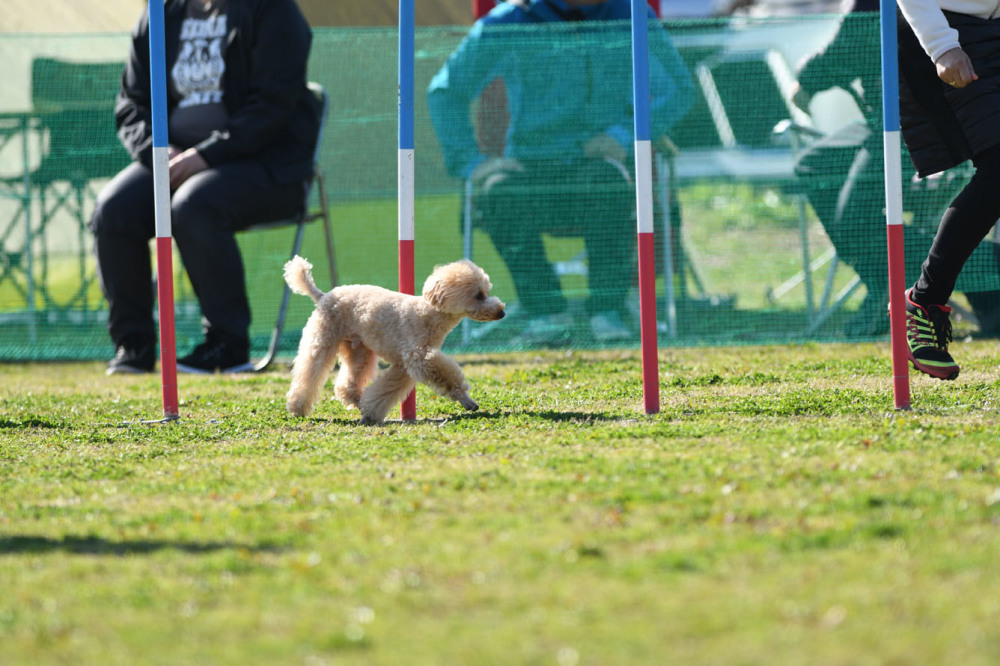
(566,154)
(949,64)
(844,179)
(242,125)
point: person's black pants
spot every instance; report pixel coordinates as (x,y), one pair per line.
(964,225)
(206,212)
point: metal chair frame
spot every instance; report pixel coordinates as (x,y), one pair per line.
(308,214)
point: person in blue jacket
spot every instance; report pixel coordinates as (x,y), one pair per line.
(242,125)
(566,158)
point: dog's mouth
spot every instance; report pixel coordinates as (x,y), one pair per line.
(493,315)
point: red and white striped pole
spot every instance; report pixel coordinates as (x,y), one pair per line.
(406,170)
(644,207)
(894,207)
(161,198)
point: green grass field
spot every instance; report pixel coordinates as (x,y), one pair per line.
(776,511)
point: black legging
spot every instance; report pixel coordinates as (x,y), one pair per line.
(963,226)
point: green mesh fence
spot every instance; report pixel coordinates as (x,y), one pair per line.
(762,250)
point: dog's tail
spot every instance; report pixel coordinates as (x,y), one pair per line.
(298,275)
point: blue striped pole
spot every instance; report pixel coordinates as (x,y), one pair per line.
(406,171)
(161,198)
(644,207)
(894,206)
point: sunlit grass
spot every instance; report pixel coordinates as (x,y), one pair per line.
(777,510)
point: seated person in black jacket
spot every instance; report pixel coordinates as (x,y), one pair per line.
(242,126)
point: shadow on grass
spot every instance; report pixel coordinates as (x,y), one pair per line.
(546,415)
(30,422)
(91,545)
(482,415)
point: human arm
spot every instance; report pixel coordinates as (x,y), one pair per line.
(939,41)
(451,92)
(184,164)
(671,87)
(671,90)
(133,113)
(930,26)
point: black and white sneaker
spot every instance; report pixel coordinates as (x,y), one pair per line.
(216,355)
(133,357)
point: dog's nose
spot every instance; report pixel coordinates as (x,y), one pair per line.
(501,314)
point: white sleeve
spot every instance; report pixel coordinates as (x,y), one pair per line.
(930,26)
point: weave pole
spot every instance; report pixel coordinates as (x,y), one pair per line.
(644,208)
(161,199)
(894,207)
(405,184)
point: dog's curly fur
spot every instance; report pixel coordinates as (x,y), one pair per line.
(362,323)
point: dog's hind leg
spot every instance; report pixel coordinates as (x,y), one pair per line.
(440,372)
(313,362)
(388,390)
(358,364)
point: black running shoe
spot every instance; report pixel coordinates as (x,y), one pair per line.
(928,333)
(216,355)
(133,357)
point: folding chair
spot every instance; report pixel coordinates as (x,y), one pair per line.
(818,311)
(72,119)
(15,255)
(924,201)
(307,215)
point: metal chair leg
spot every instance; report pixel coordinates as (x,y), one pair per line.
(324,214)
(279,325)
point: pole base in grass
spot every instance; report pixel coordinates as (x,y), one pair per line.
(170,418)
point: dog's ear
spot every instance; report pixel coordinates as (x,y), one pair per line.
(434,291)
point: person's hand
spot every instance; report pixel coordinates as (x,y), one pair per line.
(604,146)
(801,98)
(494,166)
(955,68)
(184,165)
(172,152)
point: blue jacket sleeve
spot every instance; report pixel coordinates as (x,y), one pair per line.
(450,95)
(670,84)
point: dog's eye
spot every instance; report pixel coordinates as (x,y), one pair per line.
(480,296)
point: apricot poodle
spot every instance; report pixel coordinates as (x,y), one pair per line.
(362,323)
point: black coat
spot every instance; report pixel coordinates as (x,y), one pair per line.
(272,114)
(944,126)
